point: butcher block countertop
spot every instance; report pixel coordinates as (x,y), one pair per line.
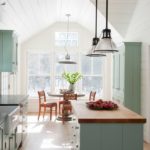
(121,115)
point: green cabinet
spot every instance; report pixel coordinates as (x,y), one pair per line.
(8,51)
(127,76)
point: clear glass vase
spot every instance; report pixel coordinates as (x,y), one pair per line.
(72,87)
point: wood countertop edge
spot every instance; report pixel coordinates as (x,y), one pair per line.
(143,120)
(85,115)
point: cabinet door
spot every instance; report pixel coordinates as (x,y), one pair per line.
(1,136)
(7,50)
(6,142)
(1,139)
(11,142)
(133,76)
(1,50)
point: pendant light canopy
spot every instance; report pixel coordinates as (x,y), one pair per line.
(106,44)
(91,52)
(67,57)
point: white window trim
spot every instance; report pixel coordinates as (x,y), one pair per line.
(106,77)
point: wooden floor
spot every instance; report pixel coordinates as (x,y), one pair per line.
(46,135)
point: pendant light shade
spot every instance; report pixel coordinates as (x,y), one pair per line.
(92,52)
(106,44)
(67,59)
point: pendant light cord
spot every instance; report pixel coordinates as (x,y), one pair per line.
(106,14)
(96,19)
(68,15)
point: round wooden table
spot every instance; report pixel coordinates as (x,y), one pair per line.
(61,95)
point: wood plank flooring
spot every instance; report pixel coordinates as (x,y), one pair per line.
(46,135)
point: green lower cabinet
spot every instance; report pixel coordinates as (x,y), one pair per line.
(127,76)
(111,136)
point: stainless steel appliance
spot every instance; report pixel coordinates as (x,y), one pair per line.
(12,127)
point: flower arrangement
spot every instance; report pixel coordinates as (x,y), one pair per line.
(72,78)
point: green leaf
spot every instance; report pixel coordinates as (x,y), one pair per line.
(72,77)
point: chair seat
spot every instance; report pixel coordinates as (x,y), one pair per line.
(49,104)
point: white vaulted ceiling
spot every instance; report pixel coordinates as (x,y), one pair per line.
(28,17)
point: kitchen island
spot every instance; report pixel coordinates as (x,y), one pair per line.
(120,129)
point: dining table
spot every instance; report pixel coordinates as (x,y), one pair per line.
(68,117)
(60,95)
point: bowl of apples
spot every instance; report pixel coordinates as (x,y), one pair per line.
(102,105)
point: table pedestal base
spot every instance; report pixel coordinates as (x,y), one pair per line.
(67,118)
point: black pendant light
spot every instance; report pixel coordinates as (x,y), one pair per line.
(67,56)
(106,44)
(92,52)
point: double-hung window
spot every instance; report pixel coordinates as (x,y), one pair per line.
(39,68)
(92,69)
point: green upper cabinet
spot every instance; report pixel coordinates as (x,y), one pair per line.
(8,51)
(127,75)
(132,91)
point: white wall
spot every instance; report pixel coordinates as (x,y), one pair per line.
(45,40)
(139,30)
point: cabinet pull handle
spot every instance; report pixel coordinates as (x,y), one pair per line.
(2,130)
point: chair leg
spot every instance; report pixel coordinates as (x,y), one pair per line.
(63,119)
(39,112)
(59,109)
(56,110)
(44,111)
(50,113)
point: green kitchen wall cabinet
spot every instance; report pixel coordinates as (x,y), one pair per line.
(8,51)
(127,75)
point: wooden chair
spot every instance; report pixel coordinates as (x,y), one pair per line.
(92,96)
(44,104)
(67,107)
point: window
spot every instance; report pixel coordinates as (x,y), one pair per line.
(39,68)
(44,73)
(92,74)
(61,39)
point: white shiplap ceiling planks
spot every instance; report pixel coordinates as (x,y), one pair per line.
(27,17)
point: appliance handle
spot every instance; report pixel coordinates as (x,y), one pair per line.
(10,138)
(2,130)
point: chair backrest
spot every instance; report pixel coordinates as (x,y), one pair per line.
(42,97)
(70,96)
(92,96)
